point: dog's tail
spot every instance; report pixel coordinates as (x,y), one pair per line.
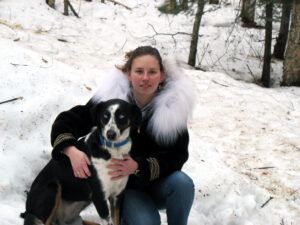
(30,219)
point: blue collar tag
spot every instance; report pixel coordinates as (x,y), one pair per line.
(111,144)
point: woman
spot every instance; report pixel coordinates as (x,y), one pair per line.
(160,147)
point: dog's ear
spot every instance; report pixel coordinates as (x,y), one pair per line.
(136,118)
(96,112)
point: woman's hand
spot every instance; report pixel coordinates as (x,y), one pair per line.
(120,168)
(79,161)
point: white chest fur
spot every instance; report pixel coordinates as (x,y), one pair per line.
(110,187)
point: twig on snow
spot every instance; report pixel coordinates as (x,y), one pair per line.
(10,100)
(15,64)
(263,205)
(224,85)
(115,2)
(265,167)
(62,40)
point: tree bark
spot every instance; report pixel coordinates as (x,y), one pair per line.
(51,3)
(291,64)
(184,5)
(213,1)
(195,34)
(248,12)
(268,44)
(66,7)
(281,40)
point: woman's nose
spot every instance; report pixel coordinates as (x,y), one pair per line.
(145,75)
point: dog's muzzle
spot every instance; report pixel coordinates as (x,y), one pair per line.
(111,135)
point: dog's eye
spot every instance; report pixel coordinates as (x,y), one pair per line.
(105,117)
(122,119)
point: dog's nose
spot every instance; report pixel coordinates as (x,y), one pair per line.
(111,134)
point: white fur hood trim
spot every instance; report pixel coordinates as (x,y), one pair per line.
(172,107)
(113,84)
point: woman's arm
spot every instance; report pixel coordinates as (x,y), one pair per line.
(66,129)
(159,162)
(164,159)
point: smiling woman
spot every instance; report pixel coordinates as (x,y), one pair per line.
(145,76)
(159,146)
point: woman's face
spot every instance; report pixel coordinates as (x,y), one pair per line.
(145,76)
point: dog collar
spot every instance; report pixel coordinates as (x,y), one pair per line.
(112,144)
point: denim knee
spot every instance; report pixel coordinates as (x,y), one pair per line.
(181,182)
(138,208)
(141,218)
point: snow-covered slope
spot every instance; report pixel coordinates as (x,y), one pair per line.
(245,144)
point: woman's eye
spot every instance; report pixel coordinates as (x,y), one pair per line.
(153,72)
(139,72)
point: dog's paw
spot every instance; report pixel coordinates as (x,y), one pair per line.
(107,222)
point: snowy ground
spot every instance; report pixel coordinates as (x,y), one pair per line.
(245,140)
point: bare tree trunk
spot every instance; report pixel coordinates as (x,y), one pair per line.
(281,40)
(194,41)
(248,12)
(184,5)
(213,1)
(66,7)
(268,44)
(291,64)
(51,3)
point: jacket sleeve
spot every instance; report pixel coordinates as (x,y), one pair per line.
(164,159)
(69,126)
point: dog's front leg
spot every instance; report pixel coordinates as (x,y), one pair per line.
(115,203)
(98,197)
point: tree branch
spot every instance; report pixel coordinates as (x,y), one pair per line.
(118,3)
(168,34)
(72,9)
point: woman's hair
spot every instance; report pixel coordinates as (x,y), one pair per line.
(140,51)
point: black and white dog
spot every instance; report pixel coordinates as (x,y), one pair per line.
(56,197)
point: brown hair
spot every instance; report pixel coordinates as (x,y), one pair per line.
(140,51)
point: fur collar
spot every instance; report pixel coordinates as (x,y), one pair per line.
(171,107)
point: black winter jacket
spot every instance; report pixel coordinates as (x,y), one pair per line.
(155,160)
(161,145)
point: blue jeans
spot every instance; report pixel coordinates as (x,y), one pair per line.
(174,193)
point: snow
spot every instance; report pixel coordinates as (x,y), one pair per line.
(245,139)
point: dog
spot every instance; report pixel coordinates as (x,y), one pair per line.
(56,196)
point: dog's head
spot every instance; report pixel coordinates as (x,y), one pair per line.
(115,118)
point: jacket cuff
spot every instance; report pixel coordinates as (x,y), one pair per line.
(148,168)
(61,142)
